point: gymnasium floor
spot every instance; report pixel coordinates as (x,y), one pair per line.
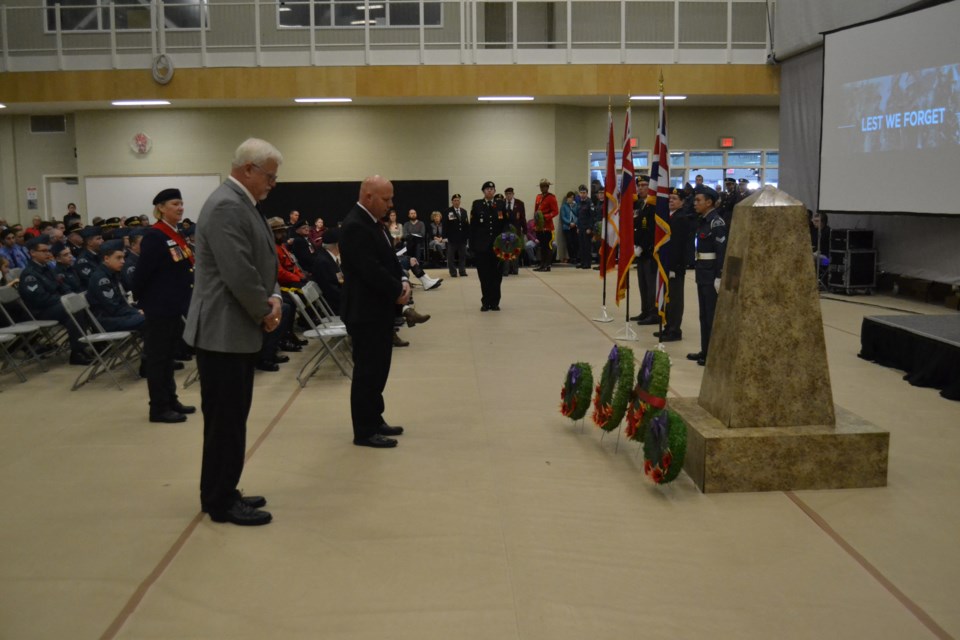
(495,518)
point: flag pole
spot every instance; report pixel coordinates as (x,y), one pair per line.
(604,249)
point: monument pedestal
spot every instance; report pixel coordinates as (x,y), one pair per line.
(852,453)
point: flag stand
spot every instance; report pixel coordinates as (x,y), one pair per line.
(604,316)
(627,333)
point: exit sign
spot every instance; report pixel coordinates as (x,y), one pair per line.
(727,143)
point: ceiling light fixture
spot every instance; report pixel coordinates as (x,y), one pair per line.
(321,100)
(359,22)
(658,97)
(373,7)
(3,106)
(505,98)
(140,103)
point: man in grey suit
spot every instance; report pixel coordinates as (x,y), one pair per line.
(235,299)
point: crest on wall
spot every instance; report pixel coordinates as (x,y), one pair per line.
(141,144)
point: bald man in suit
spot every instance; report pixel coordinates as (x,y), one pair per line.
(373,284)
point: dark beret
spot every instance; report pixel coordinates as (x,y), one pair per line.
(456,195)
(643,178)
(733,180)
(90,232)
(110,223)
(111,246)
(132,221)
(33,242)
(677,192)
(75,227)
(488,185)
(508,190)
(708,192)
(167,194)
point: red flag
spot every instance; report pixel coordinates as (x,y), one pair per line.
(608,248)
(628,195)
(660,187)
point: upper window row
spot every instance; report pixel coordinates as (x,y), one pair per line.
(94,15)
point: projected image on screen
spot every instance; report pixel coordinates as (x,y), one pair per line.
(890,137)
(911,110)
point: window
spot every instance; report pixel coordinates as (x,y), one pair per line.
(759,167)
(354,13)
(130,15)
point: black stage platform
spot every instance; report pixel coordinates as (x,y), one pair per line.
(926,347)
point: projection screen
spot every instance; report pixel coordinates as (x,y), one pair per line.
(890,135)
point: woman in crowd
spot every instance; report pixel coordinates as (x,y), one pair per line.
(394,228)
(316,233)
(162,285)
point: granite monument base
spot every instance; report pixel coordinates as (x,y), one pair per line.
(722,460)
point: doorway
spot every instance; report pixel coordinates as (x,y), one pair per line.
(59,191)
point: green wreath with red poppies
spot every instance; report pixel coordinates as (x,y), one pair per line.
(650,394)
(508,244)
(613,392)
(575,394)
(664,446)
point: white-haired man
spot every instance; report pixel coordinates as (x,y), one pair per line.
(235,299)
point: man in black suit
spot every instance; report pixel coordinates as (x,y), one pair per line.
(455,229)
(373,284)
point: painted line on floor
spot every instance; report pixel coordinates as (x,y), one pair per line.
(911,606)
(141,591)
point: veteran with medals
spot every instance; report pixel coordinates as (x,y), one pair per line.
(162,285)
(487,220)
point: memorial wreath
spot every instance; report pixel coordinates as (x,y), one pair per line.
(613,392)
(575,394)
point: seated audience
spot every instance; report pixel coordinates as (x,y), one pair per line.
(106,297)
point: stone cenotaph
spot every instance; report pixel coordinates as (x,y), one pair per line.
(765,419)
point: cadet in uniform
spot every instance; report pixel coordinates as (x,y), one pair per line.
(487,220)
(133,256)
(456,229)
(107,299)
(162,285)
(731,197)
(674,260)
(41,291)
(711,248)
(644,233)
(74,239)
(63,268)
(88,259)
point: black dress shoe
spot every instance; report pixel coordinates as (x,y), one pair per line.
(650,320)
(289,346)
(696,356)
(184,408)
(242,514)
(702,362)
(254,502)
(299,341)
(177,366)
(267,365)
(80,358)
(279,358)
(453,274)
(672,337)
(463,273)
(376,441)
(495,307)
(484,307)
(169,416)
(387,430)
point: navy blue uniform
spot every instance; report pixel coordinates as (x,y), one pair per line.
(40,290)
(108,302)
(87,261)
(711,249)
(586,219)
(673,256)
(456,229)
(487,221)
(644,229)
(162,285)
(129,267)
(68,276)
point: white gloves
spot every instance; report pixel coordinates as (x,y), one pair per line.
(716,284)
(672,274)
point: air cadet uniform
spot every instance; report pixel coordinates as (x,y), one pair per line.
(40,290)
(711,247)
(66,274)
(644,233)
(87,260)
(107,299)
(131,260)
(487,221)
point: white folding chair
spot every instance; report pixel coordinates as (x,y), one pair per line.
(53,332)
(13,274)
(110,348)
(7,339)
(320,307)
(23,332)
(330,339)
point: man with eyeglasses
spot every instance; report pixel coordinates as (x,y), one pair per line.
(235,299)
(40,289)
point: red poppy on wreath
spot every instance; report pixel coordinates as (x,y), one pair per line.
(667,459)
(647,467)
(657,475)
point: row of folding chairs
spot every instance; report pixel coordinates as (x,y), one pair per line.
(326,329)
(36,339)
